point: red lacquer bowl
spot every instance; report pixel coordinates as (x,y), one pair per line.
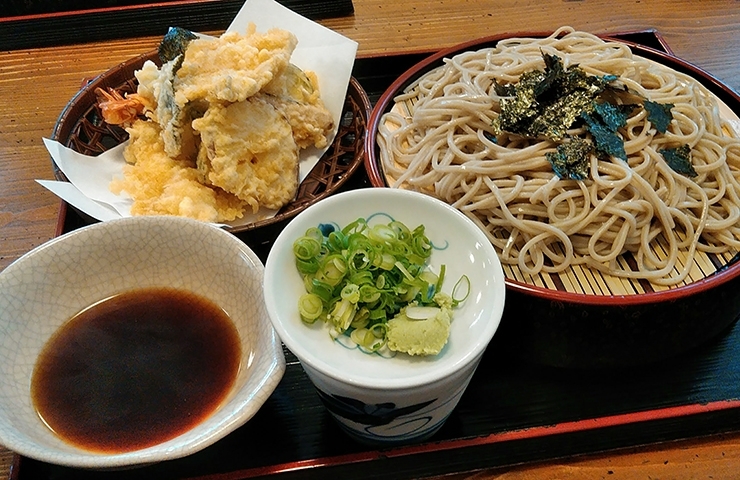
(566,329)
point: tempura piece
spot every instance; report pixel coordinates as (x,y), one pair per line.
(296,94)
(233,112)
(160,185)
(247,149)
(150,79)
(157,89)
(233,67)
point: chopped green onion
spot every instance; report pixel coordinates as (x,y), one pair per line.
(351,292)
(306,248)
(463,282)
(332,270)
(310,307)
(360,276)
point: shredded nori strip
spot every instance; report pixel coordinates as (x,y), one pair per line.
(571,159)
(491,137)
(679,159)
(611,115)
(659,114)
(606,139)
(174,44)
(557,117)
(548,103)
(554,72)
(520,106)
(504,90)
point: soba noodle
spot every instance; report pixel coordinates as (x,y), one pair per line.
(543,223)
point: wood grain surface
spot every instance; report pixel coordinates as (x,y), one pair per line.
(36,84)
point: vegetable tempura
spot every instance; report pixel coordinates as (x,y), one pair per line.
(231,113)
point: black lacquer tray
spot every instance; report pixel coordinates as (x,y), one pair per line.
(44,23)
(512,412)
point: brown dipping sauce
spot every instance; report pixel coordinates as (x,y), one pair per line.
(136,369)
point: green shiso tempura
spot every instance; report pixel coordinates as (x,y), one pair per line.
(373,284)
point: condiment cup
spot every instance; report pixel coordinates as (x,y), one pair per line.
(401,398)
(44,288)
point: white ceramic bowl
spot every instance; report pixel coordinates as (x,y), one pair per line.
(47,286)
(405,398)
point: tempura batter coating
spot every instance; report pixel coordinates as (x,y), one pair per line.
(247,149)
(310,123)
(156,88)
(296,94)
(160,185)
(232,67)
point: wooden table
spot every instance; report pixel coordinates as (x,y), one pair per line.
(35,84)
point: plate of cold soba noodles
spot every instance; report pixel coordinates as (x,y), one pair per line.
(604,173)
